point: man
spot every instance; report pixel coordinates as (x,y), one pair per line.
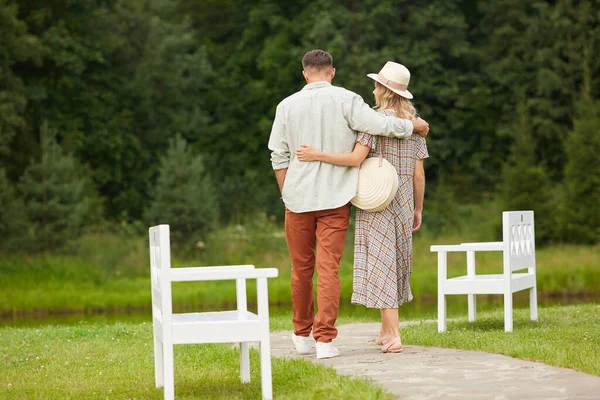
(317,195)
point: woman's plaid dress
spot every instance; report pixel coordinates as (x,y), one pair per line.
(383,240)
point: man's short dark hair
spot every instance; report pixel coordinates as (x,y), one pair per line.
(317,59)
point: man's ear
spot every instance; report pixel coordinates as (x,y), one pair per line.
(332,73)
(304,74)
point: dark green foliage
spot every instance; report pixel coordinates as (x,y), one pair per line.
(183,197)
(7,197)
(540,54)
(16,46)
(582,177)
(118,80)
(58,197)
(12,217)
(526,186)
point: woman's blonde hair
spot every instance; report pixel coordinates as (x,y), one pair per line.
(385,99)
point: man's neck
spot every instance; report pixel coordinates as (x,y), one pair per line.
(318,79)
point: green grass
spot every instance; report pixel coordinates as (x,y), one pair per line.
(567,336)
(105,272)
(116,361)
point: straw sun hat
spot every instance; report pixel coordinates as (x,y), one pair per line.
(395,77)
(377,178)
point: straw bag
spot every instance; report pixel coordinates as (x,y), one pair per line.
(377,184)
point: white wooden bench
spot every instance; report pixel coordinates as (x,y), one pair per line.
(234,326)
(518,248)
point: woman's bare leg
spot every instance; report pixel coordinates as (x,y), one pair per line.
(390,326)
(382,335)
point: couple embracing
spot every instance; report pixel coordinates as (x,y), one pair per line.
(320,137)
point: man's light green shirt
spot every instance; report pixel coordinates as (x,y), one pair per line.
(328,118)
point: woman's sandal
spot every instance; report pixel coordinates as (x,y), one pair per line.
(386,348)
(380,339)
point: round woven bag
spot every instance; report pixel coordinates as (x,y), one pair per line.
(377,184)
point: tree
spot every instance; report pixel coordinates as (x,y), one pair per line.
(17,46)
(525,185)
(582,177)
(184,196)
(541,54)
(117,81)
(59,200)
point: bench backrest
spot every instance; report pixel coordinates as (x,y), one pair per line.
(160,265)
(519,240)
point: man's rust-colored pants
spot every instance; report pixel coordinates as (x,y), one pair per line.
(316,239)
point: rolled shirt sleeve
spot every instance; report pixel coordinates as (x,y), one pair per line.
(363,118)
(278,143)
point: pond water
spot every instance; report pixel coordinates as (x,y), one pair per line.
(418,309)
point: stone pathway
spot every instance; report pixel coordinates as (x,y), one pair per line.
(420,373)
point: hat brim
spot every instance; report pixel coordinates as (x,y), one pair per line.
(403,93)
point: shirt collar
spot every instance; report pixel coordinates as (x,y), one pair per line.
(316,85)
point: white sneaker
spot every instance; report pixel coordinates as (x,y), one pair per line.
(327,350)
(304,345)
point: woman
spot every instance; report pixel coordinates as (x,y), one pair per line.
(383,240)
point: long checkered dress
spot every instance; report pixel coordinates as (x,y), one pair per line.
(383,240)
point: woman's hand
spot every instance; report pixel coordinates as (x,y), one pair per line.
(307,153)
(417,221)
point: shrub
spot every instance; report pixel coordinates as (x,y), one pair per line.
(183,196)
(526,186)
(58,198)
(581,219)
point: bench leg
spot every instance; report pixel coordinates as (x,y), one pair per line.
(244,362)
(441,296)
(508,309)
(159,371)
(471,274)
(265,369)
(472,307)
(533,311)
(441,313)
(169,373)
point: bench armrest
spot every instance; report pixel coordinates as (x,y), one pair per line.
(482,246)
(221,273)
(485,246)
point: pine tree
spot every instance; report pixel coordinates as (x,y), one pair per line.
(58,197)
(582,177)
(183,196)
(526,185)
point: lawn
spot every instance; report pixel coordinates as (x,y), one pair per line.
(116,361)
(567,336)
